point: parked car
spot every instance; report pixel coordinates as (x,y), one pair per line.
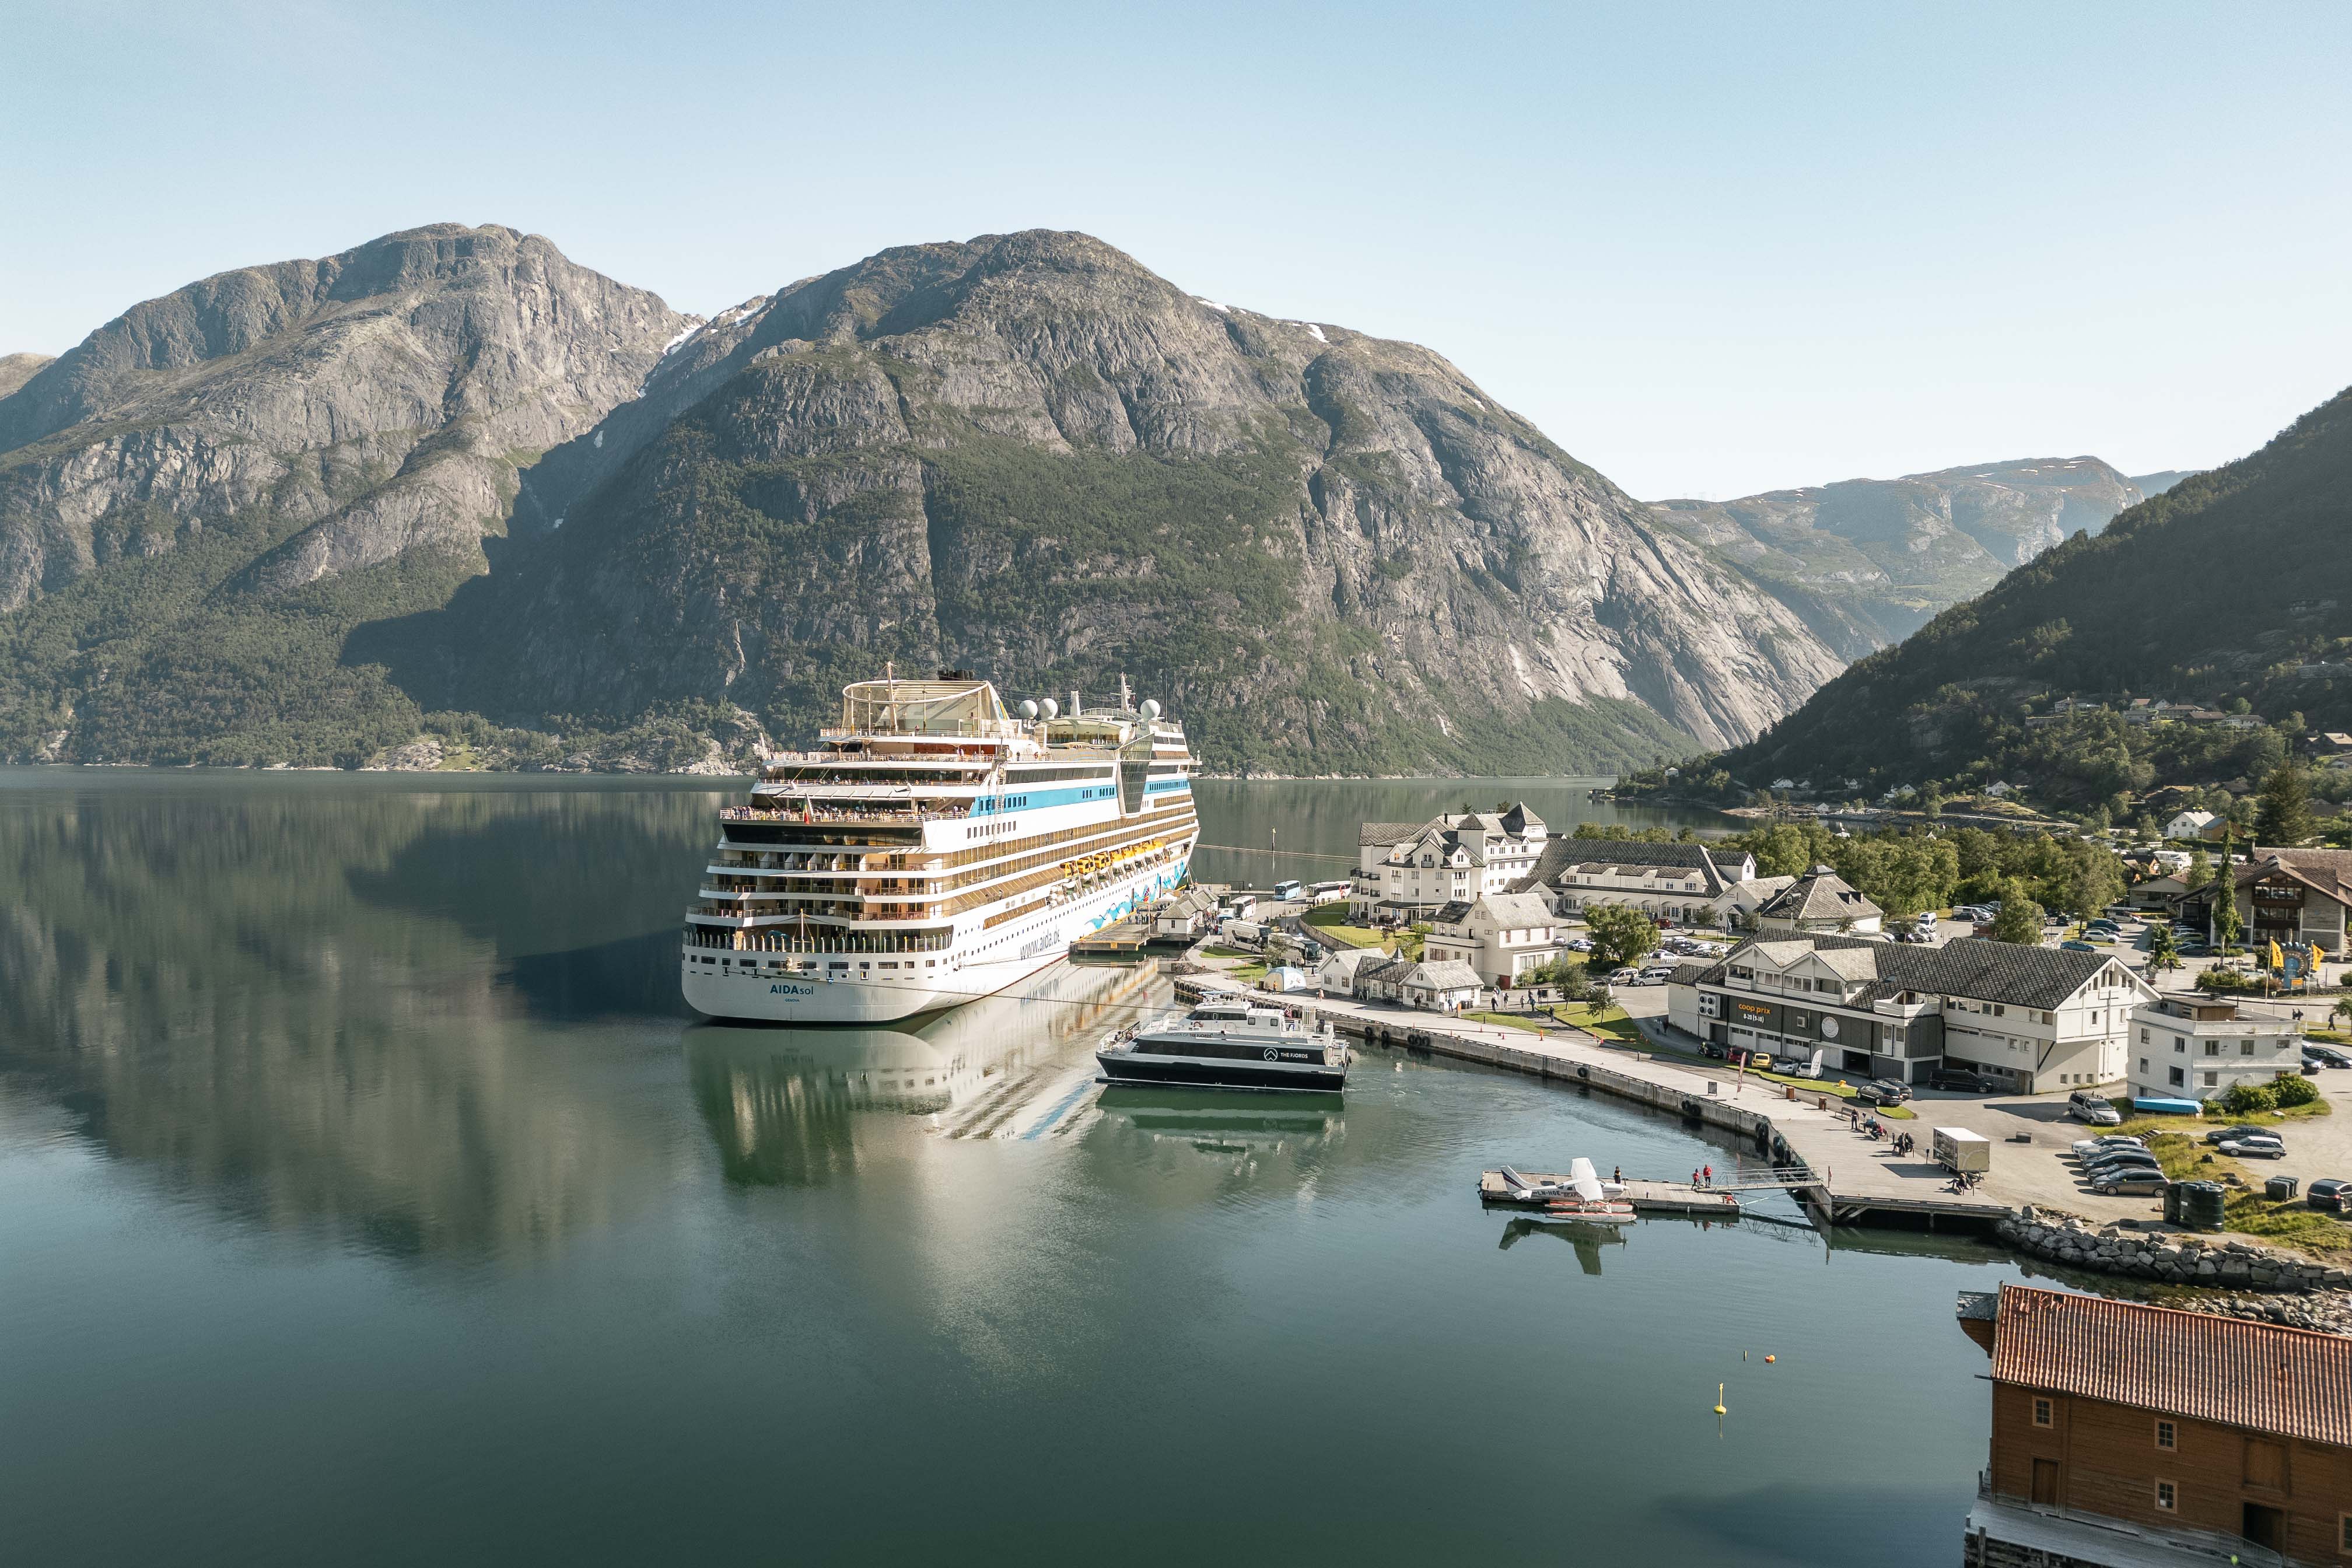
(2084,1106)
(1712,1051)
(2329,1194)
(2241,1130)
(1577,945)
(1961,1079)
(1884,1091)
(2326,1056)
(2072,946)
(2125,1183)
(2100,1172)
(2083,1146)
(1624,976)
(2264,1148)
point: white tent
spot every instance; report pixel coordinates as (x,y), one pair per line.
(1286,977)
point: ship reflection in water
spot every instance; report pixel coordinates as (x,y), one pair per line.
(785,1103)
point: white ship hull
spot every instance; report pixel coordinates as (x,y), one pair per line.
(753,986)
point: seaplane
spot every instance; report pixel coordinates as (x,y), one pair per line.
(1582,1196)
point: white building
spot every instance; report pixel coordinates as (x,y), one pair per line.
(1339,967)
(2196,1047)
(1449,987)
(2189,825)
(1690,883)
(1500,936)
(2040,1018)
(1191,913)
(1408,870)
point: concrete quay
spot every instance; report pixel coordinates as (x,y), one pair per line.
(1855,1180)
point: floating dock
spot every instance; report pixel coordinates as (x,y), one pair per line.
(1129,936)
(1646,1196)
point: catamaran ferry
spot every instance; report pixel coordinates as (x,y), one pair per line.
(936,849)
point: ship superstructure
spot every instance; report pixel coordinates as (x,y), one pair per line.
(936,849)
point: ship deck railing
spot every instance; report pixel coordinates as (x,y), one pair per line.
(774,942)
(816,816)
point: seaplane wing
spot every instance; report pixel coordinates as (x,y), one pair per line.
(1584,1179)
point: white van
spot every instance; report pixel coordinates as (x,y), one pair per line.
(1656,974)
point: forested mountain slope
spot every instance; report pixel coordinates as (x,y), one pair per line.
(2237,580)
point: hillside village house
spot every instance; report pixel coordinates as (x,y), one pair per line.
(1500,937)
(2131,1433)
(1690,883)
(2295,896)
(2039,1019)
(2189,825)
(2200,1047)
(1820,901)
(1406,870)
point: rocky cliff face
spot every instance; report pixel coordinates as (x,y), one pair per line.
(1029,455)
(1868,561)
(372,402)
(199,501)
(17,369)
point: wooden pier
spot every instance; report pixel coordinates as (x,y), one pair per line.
(1128,937)
(1646,1196)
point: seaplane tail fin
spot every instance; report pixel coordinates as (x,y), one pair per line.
(1515,1182)
(1584,1179)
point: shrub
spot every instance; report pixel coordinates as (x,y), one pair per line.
(2245,1098)
(2293,1090)
(2227,980)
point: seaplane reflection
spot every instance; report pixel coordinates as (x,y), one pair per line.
(1585,1236)
(783,1102)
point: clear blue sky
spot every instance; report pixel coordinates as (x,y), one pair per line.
(1710,250)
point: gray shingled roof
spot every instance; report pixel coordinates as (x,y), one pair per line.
(1975,967)
(1382,833)
(1819,895)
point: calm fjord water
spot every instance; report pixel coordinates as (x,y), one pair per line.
(367,1195)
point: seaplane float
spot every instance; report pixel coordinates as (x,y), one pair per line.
(1581,1198)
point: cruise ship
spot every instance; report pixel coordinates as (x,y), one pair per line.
(935,849)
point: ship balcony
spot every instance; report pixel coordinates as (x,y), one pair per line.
(832,816)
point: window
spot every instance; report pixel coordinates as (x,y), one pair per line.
(2210,1078)
(2178,1079)
(2042,1413)
(2143,1035)
(2166,1497)
(2213,1047)
(2143,1064)
(2344,1531)
(2166,1436)
(2245,1048)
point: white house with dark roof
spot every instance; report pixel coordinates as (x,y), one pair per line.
(1409,870)
(1689,883)
(1501,936)
(2039,1019)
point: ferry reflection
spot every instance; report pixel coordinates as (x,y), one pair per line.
(1587,1239)
(1219,1122)
(783,1102)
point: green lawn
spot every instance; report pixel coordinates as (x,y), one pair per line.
(2187,1157)
(1332,921)
(1507,1020)
(1610,1023)
(2195,1126)
(1227,952)
(1248,973)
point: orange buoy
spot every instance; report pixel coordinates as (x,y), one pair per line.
(1772,1358)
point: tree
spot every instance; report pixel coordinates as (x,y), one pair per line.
(2224,886)
(2163,948)
(2245,1098)
(2285,815)
(2095,885)
(2293,1090)
(2201,868)
(1620,935)
(2019,919)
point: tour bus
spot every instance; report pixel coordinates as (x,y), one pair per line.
(1327,892)
(1286,891)
(1240,906)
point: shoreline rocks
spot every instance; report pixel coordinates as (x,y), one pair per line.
(2230,1275)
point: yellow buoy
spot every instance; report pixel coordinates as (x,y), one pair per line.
(1719,1399)
(1772,1358)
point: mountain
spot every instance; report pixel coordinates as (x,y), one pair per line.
(17,369)
(1030,456)
(450,497)
(201,499)
(1867,561)
(2156,484)
(2234,582)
